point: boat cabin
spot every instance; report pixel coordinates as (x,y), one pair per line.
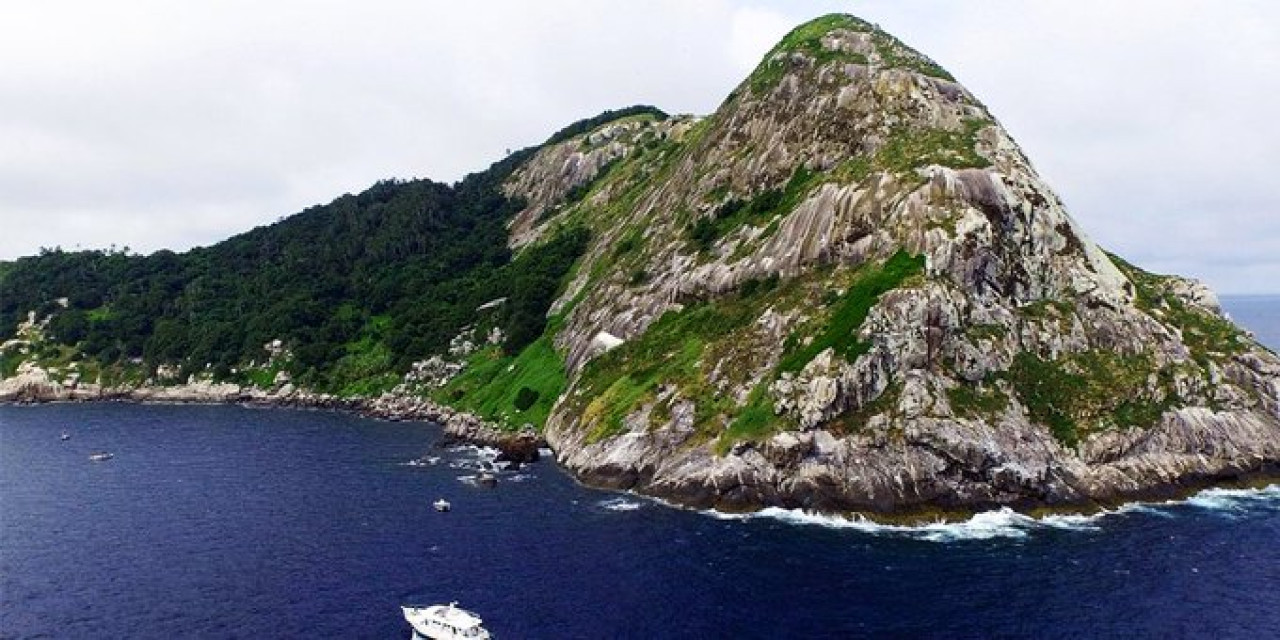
(444,622)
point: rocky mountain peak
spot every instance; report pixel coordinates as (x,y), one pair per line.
(848,288)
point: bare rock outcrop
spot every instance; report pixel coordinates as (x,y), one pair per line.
(1013,363)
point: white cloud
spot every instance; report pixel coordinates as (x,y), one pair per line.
(161,124)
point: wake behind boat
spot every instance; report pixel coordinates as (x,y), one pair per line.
(444,622)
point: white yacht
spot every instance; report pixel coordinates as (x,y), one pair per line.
(444,622)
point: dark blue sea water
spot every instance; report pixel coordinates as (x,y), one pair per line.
(1259,314)
(228,522)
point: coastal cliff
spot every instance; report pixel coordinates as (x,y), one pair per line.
(846,290)
(856,294)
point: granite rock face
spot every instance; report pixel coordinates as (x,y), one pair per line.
(867,150)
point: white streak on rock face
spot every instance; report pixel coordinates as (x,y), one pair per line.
(605,341)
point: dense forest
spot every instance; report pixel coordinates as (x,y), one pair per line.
(357,289)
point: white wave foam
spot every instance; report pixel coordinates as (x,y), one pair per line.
(1007,523)
(1002,523)
(469,457)
(620,504)
(477,452)
(1235,501)
(423,462)
(1146,509)
(808,518)
(1072,521)
(718,515)
(476,465)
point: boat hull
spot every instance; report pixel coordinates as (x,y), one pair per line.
(441,622)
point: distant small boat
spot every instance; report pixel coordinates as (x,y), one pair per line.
(65,436)
(100,456)
(441,505)
(444,622)
(486,479)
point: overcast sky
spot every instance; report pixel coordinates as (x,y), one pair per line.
(173,124)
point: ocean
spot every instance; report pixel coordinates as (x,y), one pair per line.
(231,522)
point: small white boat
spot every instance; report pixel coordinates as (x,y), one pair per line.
(444,622)
(441,505)
(65,436)
(101,456)
(486,479)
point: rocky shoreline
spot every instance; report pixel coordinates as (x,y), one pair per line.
(911,490)
(748,490)
(34,386)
